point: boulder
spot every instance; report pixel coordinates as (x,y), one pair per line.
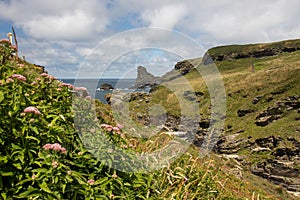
(106,86)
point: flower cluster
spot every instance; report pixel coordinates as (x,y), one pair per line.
(19,77)
(91,182)
(48,76)
(32,109)
(56,147)
(82,89)
(70,86)
(110,128)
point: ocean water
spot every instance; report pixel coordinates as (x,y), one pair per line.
(93,86)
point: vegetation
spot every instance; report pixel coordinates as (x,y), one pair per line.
(43,153)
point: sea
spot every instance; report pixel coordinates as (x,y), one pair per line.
(93,86)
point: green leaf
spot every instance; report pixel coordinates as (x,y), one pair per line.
(18,165)
(1,96)
(44,187)
(3,195)
(32,138)
(35,130)
(4,159)
(6,173)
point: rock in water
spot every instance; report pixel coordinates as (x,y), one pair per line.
(106,86)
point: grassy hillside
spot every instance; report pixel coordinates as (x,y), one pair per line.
(262,126)
(43,157)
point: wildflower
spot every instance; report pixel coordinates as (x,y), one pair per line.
(44,74)
(19,77)
(38,79)
(116,128)
(34,176)
(63,150)
(55,147)
(55,164)
(32,109)
(122,135)
(69,172)
(106,127)
(1,82)
(9,80)
(22,114)
(27,95)
(91,182)
(125,146)
(21,65)
(31,120)
(34,83)
(88,97)
(67,85)
(114,175)
(111,196)
(110,150)
(4,41)
(47,146)
(14,47)
(119,126)
(82,88)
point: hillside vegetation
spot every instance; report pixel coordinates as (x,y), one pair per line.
(262,125)
(42,155)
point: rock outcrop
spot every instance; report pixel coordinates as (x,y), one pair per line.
(106,86)
(144,78)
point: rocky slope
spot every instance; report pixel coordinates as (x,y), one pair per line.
(262,125)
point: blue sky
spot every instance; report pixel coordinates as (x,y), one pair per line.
(66,36)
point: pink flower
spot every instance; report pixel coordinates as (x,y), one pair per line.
(47,146)
(32,109)
(63,150)
(5,41)
(116,129)
(34,176)
(34,83)
(14,47)
(88,97)
(1,82)
(67,85)
(83,89)
(9,80)
(21,65)
(38,79)
(55,164)
(55,147)
(91,182)
(44,74)
(119,126)
(19,77)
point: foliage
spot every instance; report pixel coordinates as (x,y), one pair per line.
(42,155)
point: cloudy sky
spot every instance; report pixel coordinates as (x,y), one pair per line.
(88,36)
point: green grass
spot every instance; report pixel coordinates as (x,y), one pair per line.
(29,170)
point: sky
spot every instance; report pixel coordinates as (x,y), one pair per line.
(110,38)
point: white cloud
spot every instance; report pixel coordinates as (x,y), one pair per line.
(56,19)
(165,17)
(61,33)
